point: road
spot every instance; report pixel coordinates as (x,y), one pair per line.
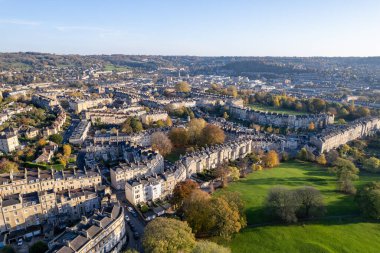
(69,130)
(138,222)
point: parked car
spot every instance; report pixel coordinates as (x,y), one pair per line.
(19,242)
(130,209)
(127,218)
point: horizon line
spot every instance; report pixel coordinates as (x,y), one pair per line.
(189,55)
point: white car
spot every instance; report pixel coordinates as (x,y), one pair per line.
(19,242)
(130,209)
(127,218)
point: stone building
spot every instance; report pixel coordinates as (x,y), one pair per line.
(142,138)
(320,121)
(153,116)
(333,137)
(113,116)
(20,211)
(104,231)
(57,125)
(80,132)
(138,162)
(82,105)
(32,180)
(8,142)
(46,102)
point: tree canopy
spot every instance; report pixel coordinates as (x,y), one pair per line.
(346,172)
(161,142)
(182,87)
(165,235)
(368,198)
(271,159)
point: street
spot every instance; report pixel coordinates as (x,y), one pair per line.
(137,222)
(70,129)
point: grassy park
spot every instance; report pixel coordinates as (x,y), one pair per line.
(321,237)
(267,108)
(330,234)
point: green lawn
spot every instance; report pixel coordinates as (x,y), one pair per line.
(175,154)
(327,235)
(44,166)
(309,238)
(267,108)
(111,67)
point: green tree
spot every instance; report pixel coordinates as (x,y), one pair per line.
(283,203)
(56,138)
(306,155)
(236,203)
(6,166)
(160,123)
(126,126)
(227,219)
(197,212)
(234,173)
(345,171)
(368,198)
(372,164)
(311,202)
(164,235)
(136,125)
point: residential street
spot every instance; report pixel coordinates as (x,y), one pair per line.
(136,222)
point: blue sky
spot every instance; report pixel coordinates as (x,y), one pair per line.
(196,27)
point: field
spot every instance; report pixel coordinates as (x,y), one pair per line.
(111,67)
(323,237)
(266,236)
(268,108)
